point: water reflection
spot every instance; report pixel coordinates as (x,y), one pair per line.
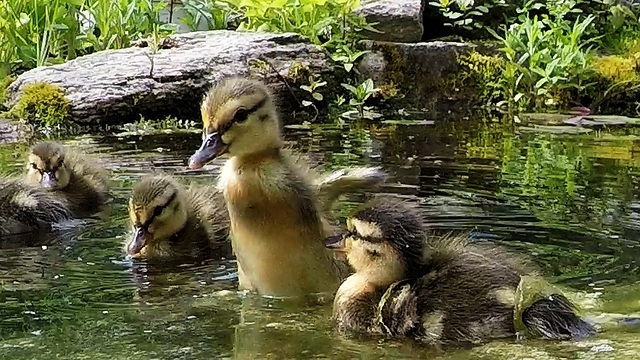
(569,201)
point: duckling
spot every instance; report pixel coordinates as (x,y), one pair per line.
(277,226)
(25,208)
(436,291)
(72,176)
(173,222)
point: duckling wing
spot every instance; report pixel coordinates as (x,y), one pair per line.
(210,209)
(466,295)
(331,186)
(90,169)
(328,187)
(89,185)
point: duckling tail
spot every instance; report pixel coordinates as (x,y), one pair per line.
(343,181)
(555,317)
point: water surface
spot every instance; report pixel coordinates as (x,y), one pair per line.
(570,202)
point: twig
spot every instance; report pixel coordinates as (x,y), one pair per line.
(286,83)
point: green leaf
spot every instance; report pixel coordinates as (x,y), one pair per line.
(317,96)
(59,27)
(348,66)
(453,15)
(263,28)
(351,88)
(483,9)
(306,88)
(77,3)
(306,103)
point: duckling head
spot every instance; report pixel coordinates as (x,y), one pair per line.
(157,211)
(384,242)
(46,166)
(239,118)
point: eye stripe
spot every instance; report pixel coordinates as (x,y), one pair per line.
(164,206)
(249,111)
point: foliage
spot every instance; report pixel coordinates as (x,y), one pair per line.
(360,94)
(546,59)
(148,127)
(466,14)
(44,32)
(43,105)
(215,14)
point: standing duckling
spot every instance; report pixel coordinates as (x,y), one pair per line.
(276,223)
(25,208)
(436,291)
(74,177)
(172,222)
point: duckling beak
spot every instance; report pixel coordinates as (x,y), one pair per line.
(335,242)
(49,179)
(139,240)
(211,147)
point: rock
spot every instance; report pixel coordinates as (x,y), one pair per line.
(11,132)
(419,71)
(119,86)
(399,20)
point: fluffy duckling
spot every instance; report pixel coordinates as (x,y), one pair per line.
(436,291)
(25,208)
(75,178)
(173,222)
(276,223)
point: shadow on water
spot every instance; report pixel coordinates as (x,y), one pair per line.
(570,202)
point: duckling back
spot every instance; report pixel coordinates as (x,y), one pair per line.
(88,191)
(25,208)
(467,294)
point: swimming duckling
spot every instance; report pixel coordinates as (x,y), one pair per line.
(74,177)
(436,291)
(173,222)
(276,223)
(25,208)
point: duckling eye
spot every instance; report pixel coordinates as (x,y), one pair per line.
(33,165)
(157,211)
(241,115)
(60,162)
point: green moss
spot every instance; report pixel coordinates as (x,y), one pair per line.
(42,104)
(616,85)
(299,73)
(479,73)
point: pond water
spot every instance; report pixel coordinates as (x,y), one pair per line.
(571,202)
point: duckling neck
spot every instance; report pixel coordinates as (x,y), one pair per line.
(270,154)
(276,229)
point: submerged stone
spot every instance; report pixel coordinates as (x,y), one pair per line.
(120,86)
